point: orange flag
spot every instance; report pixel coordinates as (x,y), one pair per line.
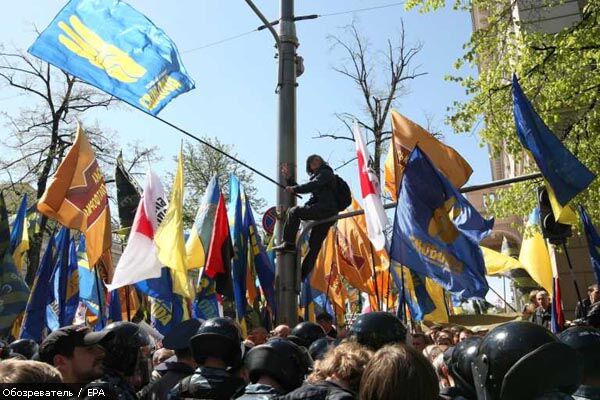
(326,274)
(354,254)
(406,134)
(77,198)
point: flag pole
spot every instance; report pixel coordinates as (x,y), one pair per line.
(403,302)
(99,294)
(564,245)
(375,278)
(127,305)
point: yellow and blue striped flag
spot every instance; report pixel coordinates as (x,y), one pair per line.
(91,289)
(19,235)
(112,46)
(240,246)
(66,281)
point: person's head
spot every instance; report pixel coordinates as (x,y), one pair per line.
(326,321)
(533,296)
(278,363)
(434,330)
(509,360)
(398,373)
(419,341)
(258,336)
(128,351)
(25,347)
(217,343)
(161,355)
(432,351)
(464,335)
(542,299)
(586,340)
(377,329)
(281,331)
(76,352)
(344,364)
(305,333)
(593,293)
(178,340)
(444,339)
(313,163)
(27,371)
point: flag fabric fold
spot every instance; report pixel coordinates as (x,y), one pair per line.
(437,231)
(534,254)
(498,263)
(370,192)
(128,196)
(112,46)
(593,241)
(66,282)
(240,245)
(77,198)
(19,236)
(565,174)
(91,288)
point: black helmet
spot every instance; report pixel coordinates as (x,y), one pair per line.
(376,329)
(219,338)
(123,348)
(25,347)
(459,365)
(308,332)
(320,347)
(586,340)
(279,359)
(593,315)
(508,361)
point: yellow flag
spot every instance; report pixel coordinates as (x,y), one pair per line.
(354,254)
(564,215)
(436,293)
(535,258)
(22,247)
(326,275)
(407,134)
(169,238)
(498,263)
(391,172)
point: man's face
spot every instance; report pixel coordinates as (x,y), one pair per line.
(315,163)
(419,343)
(464,335)
(259,336)
(542,300)
(86,363)
(595,295)
(444,339)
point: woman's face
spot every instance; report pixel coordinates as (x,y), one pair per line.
(315,163)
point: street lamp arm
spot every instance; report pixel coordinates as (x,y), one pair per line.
(264,21)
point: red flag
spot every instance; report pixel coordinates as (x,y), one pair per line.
(218,264)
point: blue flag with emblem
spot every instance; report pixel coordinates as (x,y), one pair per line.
(91,289)
(239,238)
(412,291)
(34,320)
(437,231)
(110,45)
(265,270)
(562,170)
(165,306)
(593,239)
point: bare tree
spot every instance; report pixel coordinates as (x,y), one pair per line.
(41,132)
(381,77)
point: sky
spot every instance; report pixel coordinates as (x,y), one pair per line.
(234,98)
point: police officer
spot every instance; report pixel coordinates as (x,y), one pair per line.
(25,347)
(275,368)
(216,348)
(174,369)
(524,361)
(126,355)
(586,340)
(376,329)
(459,368)
(305,333)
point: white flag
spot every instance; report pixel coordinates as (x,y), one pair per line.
(370,192)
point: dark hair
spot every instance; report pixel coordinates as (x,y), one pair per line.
(324,317)
(310,159)
(593,287)
(399,372)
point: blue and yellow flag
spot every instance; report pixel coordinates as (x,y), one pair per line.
(437,231)
(565,174)
(198,242)
(239,238)
(66,279)
(13,294)
(34,320)
(19,236)
(412,291)
(4,227)
(91,289)
(593,239)
(110,45)
(115,311)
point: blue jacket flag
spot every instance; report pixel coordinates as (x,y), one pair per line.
(91,289)
(110,45)
(165,308)
(564,172)
(239,237)
(437,231)
(34,320)
(593,239)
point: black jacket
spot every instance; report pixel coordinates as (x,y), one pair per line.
(208,383)
(259,391)
(452,393)
(111,385)
(322,189)
(324,390)
(172,372)
(581,312)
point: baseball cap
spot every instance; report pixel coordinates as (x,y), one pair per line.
(64,340)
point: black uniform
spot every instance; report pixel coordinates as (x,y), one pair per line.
(324,390)
(258,391)
(585,392)
(208,383)
(112,385)
(322,204)
(172,372)
(452,393)
(581,309)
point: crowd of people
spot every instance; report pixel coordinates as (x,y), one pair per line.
(377,358)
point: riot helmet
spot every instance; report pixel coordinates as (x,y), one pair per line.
(586,340)
(320,347)
(308,332)
(219,338)
(376,329)
(25,347)
(509,358)
(459,364)
(127,349)
(281,360)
